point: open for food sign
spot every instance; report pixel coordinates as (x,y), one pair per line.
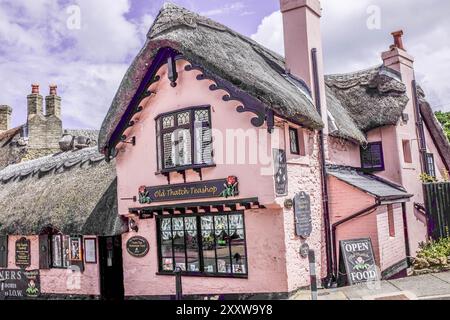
(358,260)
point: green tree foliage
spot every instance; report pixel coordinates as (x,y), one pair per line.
(444,119)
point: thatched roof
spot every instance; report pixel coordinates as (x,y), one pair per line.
(371,98)
(225,53)
(437,132)
(74,192)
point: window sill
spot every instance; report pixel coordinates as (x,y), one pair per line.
(204,275)
(185,168)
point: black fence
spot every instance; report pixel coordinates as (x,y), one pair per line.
(437,203)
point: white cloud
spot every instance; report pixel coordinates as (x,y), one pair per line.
(232,7)
(350,45)
(270,33)
(87,64)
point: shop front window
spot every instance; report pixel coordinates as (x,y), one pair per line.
(184,139)
(203,244)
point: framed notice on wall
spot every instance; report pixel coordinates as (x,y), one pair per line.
(75,249)
(90,250)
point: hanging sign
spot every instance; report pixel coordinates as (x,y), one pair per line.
(19,284)
(280,165)
(222,188)
(357,261)
(138,247)
(23,253)
(302,213)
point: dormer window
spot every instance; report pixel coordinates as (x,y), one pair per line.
(184,139)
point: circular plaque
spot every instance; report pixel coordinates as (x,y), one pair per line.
(304,250)
(137,246)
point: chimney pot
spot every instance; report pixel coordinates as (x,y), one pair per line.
(53,88)
(398,41)
(34,88)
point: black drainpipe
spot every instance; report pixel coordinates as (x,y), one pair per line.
(349,218)
(326,209)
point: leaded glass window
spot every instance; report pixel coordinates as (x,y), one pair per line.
(184,139)
(206,244)
(60,251)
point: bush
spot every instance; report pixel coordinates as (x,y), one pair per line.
(435,249)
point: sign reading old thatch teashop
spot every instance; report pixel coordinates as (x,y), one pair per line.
(222,188)
(358,261)
(23,253)
(19,284)
(137,246)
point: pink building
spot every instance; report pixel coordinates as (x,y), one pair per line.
(226,162)
(214,136)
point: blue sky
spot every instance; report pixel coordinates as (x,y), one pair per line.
(40,44)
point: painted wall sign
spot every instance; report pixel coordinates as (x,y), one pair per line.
(222,188)
(138,246)
(302,215)
(23,253)
(19,284)
(357,261)
(281,180)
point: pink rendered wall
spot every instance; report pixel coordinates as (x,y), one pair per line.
(392,249)
(58,281)
(388,136)
(137,165)
(343,152)
(266,254)
(402,62)
(355,200)
(303,175)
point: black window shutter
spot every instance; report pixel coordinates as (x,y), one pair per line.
(3,251)
(44,252)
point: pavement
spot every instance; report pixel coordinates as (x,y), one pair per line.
(434,286)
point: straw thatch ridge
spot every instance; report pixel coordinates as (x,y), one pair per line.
(435,128)
(373,98)
(74,192)
(228,55)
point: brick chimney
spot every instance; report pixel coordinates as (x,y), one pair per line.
(53,103)
(5,118)
(44,131)
(35,102)
(301,26)
(396,57)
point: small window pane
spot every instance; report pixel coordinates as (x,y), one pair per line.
(293,138)
(372,156)
(202,115)
(168,122)
(181,153)
(209,252)
(168,150)
(57,254)
(66,251)
(183,118)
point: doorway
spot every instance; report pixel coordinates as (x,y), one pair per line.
(111,268)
